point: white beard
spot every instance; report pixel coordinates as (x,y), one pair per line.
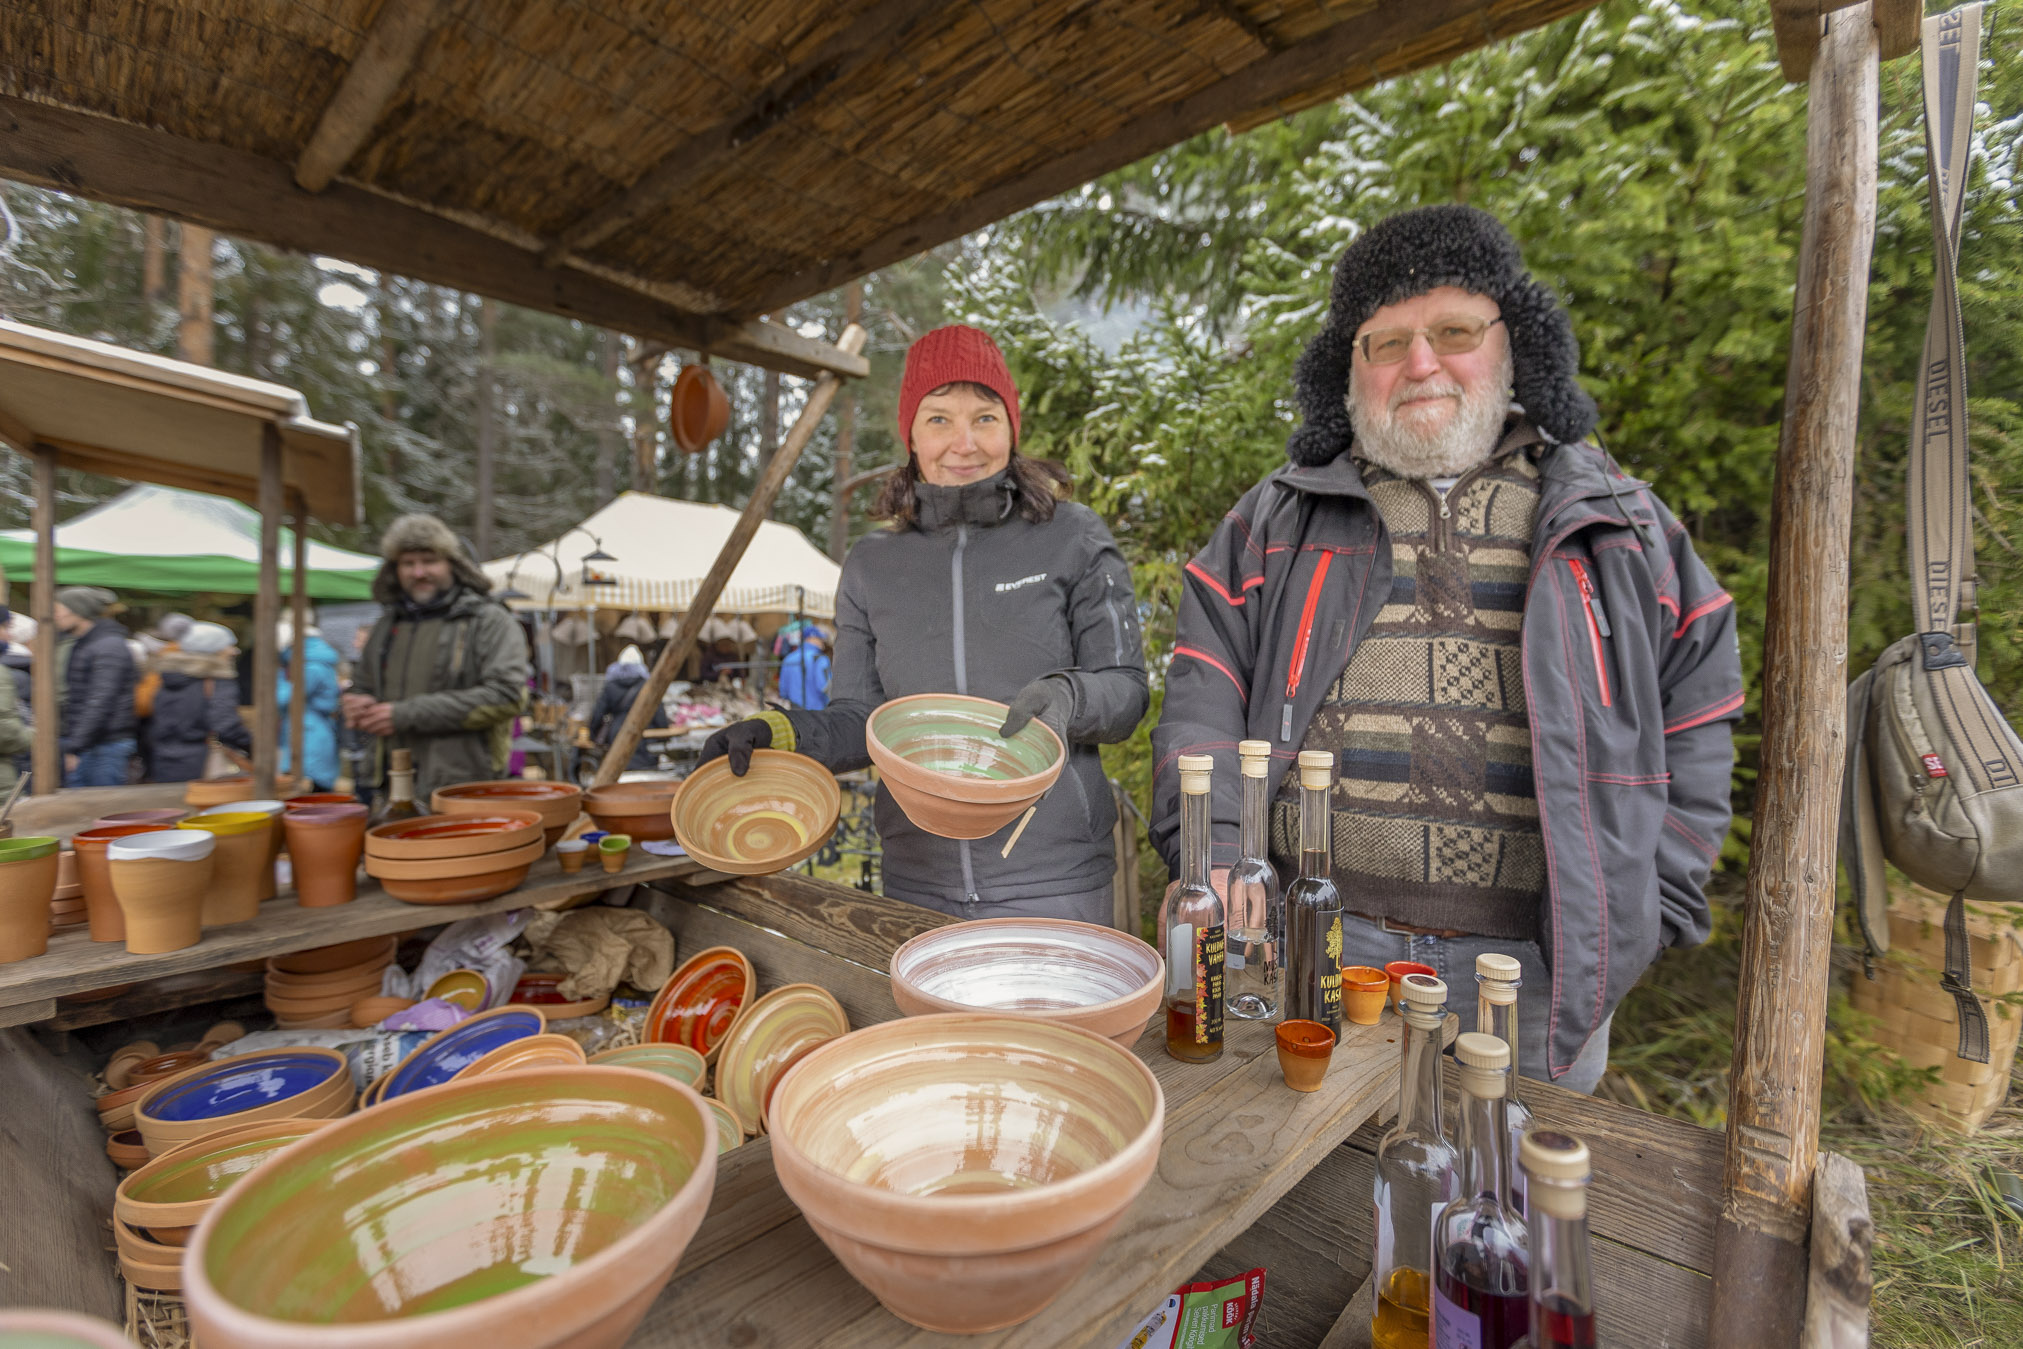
(1468,438)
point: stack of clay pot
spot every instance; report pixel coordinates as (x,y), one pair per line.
(101,907)
(291,1082)
(131,1071)
(242,864)
(557,803)
(325,841)
(454,859)
(316,989)
(162,880)
(28,868)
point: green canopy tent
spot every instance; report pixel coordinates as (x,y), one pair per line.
(164,539)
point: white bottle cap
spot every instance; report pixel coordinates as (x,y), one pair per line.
(1496,965)
(1316,768)
(1256,756)
(1557,1167)
(1195,770)
(1485,1064)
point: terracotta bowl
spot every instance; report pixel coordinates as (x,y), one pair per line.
(554,1210)
(450,868)
(276,1084)
(441,837)
(115,1108)
(1079,974)
(337,1020)
(164,817)
(311,799)
(965,1168)
(700,1001)
(468,989)
(123,1060)
(779,813)
(321,959)
(730,1129)
(457,889)
(164,1065)
(539,990)
(356,983)
(372,1011)
(947,767)
(558,803)
(177,1188)
(217,791)
(40,1328)
(679,1062)
(535,1051)
(698,408)
(127,1149)
(445,1054)
(771,1036)
(640,809)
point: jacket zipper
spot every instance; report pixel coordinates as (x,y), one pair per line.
(1597,624)
(1116,622)
(961,679)
(1299,648)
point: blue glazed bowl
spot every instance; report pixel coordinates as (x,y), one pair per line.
(457,1048)
(244,1083)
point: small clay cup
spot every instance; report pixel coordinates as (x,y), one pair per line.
(160,882)
(27,882)
(611,851)
(1365,989)
(570,852)
(1397,970)
(1304,1048)
(102,907)
(324,845)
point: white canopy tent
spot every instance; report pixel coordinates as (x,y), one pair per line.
(659,550)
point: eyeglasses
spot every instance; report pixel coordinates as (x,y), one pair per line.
(1450,336)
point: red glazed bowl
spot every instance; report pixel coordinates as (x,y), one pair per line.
(700,1002)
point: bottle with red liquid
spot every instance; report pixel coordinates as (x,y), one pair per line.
(1562,1278)
(1481,1269)
(1192,924)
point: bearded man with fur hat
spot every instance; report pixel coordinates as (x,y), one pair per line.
(1527,678)
(444,669)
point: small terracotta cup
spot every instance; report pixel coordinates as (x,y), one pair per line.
(1304,1048)
(1365,990)
(570,852)
(611,850)
(1398,969)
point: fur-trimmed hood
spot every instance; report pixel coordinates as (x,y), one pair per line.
(189,665)
(414,532)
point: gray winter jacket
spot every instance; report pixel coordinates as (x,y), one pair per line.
(976,599)
(1631,681)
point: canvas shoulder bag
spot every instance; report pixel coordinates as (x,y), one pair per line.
(1934,780)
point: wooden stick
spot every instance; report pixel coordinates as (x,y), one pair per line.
(383,61)
(48,748)
(266,610)
(1780,1016)
(298,661)
(676,652)
(1024,820)
(1842,1276)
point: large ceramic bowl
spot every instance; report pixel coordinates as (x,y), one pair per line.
(770,1037)
(942,759)
(299,1082)
(523,855)
(777,814)
(449,1052)
(964,1168)
(176,1189)
(1078,974)
(636,808)
(436,837)
(540,1208)
(700,1001)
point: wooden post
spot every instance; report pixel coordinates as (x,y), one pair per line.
(266,610)
(47,753)
(298,661)
(676,652)
(1780,1016)
(1842,1277)
(846,441)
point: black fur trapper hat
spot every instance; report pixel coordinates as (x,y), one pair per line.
(1408,254)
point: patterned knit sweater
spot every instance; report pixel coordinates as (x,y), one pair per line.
(1435,823)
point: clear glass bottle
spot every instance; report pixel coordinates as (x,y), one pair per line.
(1497,979)
(1256,910)
(398,803)
(1415,1175)
(1192,925)
(1481,1266)
(1313,907)
(1562,1276)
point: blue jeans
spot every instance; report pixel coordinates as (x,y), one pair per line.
(1453,959)
(103,765)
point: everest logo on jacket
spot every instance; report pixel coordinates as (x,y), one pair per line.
(1003,586)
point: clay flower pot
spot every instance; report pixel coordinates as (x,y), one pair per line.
(770,1037)
(36,1326)
(636,808)
(324,845)
(1398,969)
(1078,974)
(940,756)
(430,838)
(570,852)
(93,873)
(165,817)
(698,410)
(1304,1048)
(1365,990)
(965,1168)
(218,791)
(700,1001)
(244,865)
(778,814)
(276,839)
(611,851)
(558,803)
(341,1240)
(160,880)
(27,883)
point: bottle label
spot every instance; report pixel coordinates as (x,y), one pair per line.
(1331,974)
(1208,964)
(1453,1326)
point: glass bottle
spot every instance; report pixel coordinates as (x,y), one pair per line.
(1497,979)
(1415,1175)
(1480,1267)
(398,803)
(1257,914)
(1562,1280)
(1313,907)
(1192,923)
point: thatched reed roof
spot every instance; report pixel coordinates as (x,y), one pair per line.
(670,168)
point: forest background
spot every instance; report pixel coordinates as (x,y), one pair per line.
(1647,155)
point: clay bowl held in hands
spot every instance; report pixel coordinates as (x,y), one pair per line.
(343,1229)
(770,1037)
(700,1001)
(779,813)
(1079,974)
(557,803)
(440,837)
(945,764)
(27,884)
(966,1168)
(676,1061)
(294,1083)
(449,1052)
(344,955)
(640,809)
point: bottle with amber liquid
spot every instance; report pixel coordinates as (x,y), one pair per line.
(1481,1264)
(1415,1175)
(1256,909)
(1497,979)
(398,803)
(1562,1276)
(1193,925)
(1313,907)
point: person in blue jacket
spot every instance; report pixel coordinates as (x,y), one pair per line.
(804,671)
(319,713)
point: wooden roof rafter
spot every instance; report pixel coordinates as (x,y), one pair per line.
(1799,23)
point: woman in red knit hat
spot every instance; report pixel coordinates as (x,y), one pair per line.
(989,582)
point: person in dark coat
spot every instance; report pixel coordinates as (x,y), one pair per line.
(623,679)
(98,720)
(199,699)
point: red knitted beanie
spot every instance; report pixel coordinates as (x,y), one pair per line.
(951,355)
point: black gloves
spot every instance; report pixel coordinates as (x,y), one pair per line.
(1050,698)
(738,740)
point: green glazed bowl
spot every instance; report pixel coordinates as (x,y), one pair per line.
(26,849)
(679,1062)
(941,757)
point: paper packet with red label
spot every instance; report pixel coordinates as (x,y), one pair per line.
(1204,1316)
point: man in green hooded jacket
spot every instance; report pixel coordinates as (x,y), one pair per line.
(444,669)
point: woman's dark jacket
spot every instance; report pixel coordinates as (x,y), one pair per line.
(199,698)
(976,599)
(614,700)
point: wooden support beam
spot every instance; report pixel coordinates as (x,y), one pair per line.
(374,77)
(1254,29)
(14,433)
(266,611)
(1797,25)
(1842,1278)
(879,31)
(256,198)
(46,755)
(1897,26)
(298,659)
(675,654)
(1780,1016)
